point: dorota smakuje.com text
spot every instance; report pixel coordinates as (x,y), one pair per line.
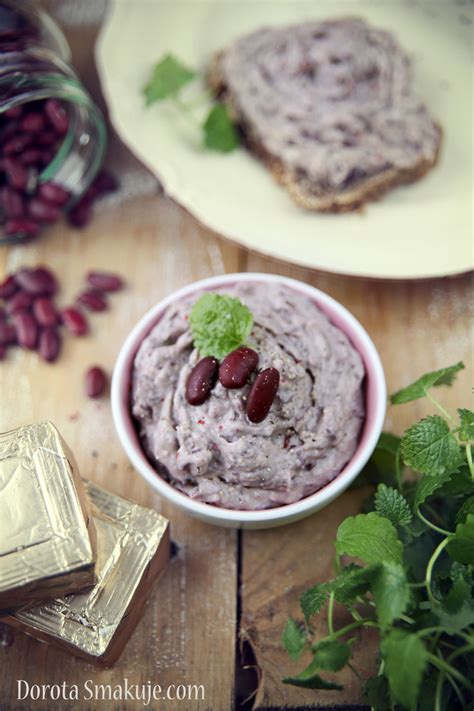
(89,690)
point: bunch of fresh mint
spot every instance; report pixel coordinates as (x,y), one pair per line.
(168,78)
(416,541)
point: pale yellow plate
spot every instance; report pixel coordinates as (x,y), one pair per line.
(417,231)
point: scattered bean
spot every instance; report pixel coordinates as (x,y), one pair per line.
(8,287)
(7,333)
(39,281)
(96,381)
(93,300)
(26,329)
(49,344)
(75,321)
(45,312)
(105,281)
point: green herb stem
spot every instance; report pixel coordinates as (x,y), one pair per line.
(432,525)
(331,614)
(398,471)
(429,630)
(469,459)
(444,412)
(430,566)
(367,622)
(448,669)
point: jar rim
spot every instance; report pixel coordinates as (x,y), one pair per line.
(51,32)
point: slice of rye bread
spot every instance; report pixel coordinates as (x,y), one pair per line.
(304,192)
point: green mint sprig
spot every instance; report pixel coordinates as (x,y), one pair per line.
(416,584)
(219,324)
(169,76)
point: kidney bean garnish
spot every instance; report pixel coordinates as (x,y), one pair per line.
(21,301)
(26,330)
(96,380)
(236,368)
(7,333)
(49,344)
(53,193)
(201,380)
(93,300)
(105,281)
(45,312)
(39,281)
(262,394)
(8,287)
(75,321)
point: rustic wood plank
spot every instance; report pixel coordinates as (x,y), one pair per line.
(189,629)
(416,327)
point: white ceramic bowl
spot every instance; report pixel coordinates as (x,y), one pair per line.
(376,397)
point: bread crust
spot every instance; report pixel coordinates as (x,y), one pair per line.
(301,189)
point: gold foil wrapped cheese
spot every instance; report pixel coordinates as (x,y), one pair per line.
(47,538)
(133,548)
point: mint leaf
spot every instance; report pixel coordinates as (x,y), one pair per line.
(294,639)
(331,655)
(391,504)
(420,387)
(427,486)
(456,609)
(466,418)
(369,537)
(220,134)
(310,679)
(461,542)
(391,593)
(167,78)
(460,483)
(466,508)
(353,582)
(313,600)
(405,663)
(219,324)
(429,447)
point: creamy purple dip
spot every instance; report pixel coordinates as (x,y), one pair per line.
(212,452)
(332,100)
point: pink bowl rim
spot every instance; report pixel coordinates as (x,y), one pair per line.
(376,401)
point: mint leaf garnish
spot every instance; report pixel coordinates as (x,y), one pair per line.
(461,543)
(331,655)
(219,324)
(294,639)
(391,504)
(430,447)
(420,387)
(405,662)
(220,133)
(369,537)
(466,430)
(167,78)
(391,593)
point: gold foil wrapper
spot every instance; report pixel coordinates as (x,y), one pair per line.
(133,548)
(47,538)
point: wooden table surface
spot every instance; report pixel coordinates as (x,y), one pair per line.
(222,588)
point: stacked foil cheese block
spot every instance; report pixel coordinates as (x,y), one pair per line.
(77,563)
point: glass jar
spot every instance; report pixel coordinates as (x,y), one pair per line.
(52,135)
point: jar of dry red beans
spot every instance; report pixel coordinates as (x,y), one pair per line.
(52,135)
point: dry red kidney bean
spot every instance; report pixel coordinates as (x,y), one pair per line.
(12,202)
(16,144)
(236,368)
(105,281)
(57,115)
(30,157)
(46,138)
(21,226)
(15,173)
(96,380)
(39,281)
(21,301)
(53,193)
(8,287)
(32,122)
(80,214)
(93,300)
(49,344)
(45,312)
(7,333)
(75,321)
(14,113)
(43,211)
(262,394)
(201,380)
(26,330)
